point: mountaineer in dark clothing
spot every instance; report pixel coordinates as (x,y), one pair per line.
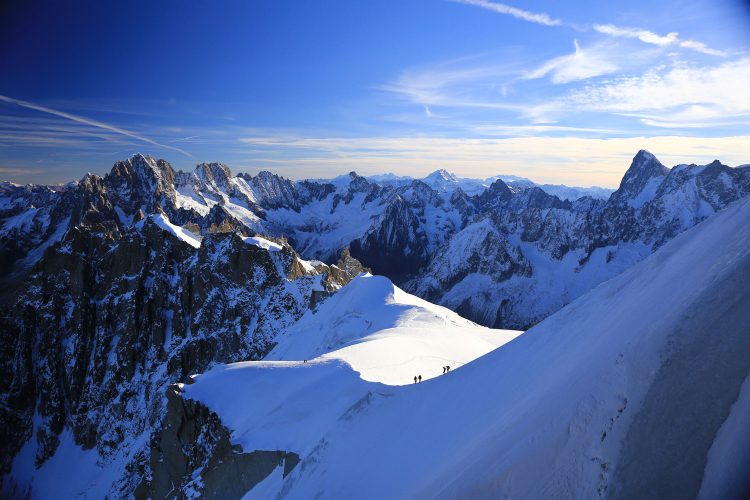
(420,378)
(415,379)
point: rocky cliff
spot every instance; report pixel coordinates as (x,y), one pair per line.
(127,302)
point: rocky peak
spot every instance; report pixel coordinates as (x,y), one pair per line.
(213,173)
(395,242)
(262,177)
(536,197)
(140,181)
(421,194)
(441,175)
(497,194)
(144,169)
(358,183)
(442,181)
(89,204)
(462,202)
(219,220)
(311,190)
(641,180)
(273,191)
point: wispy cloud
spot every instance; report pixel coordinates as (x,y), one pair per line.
(641,34)
(652,38)
(532,130)
(579,65)
(653,89)
(90,122)
(702,47)
(501,8)
(449,85)
(694,91)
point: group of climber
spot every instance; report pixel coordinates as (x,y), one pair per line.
(418,378)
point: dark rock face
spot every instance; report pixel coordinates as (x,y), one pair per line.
(219,220)
(395,245)
(274,191)
(192,454)
(497,194)
(644,170)
(140,183)
(104,325)
(122,305)
(528,273)
(33,218)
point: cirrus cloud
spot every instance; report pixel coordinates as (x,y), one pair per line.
(652,38)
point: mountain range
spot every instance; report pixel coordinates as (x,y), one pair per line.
(505,256)
(115,288)
(638,389)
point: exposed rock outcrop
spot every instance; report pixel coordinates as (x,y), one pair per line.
(192,455)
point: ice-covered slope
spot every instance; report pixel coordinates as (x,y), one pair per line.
(627,392)
(386,334)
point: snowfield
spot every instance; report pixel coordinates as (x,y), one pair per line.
(630,391)
(386,334)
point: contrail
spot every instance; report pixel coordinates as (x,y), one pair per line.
(87,121)
(501,8)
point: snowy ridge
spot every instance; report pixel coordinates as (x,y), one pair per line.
(446,183)
(262,243)
(573,408)
(182,234)
(385,334)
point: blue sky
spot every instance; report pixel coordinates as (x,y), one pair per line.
(555,91)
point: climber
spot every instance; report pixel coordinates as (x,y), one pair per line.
(420,378)
(443,369)
(415,379)
(448,368)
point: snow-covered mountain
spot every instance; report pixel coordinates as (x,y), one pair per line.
(375,329)
(638,389)
(446,182)
(526,254)
(135,294)
(368,331)
(114,287)
(507,256)
(385,334)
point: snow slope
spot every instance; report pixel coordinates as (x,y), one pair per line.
(622,394)
(386,334)
(181,233)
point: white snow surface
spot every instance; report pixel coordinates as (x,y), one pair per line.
(557,412)
(647,193)
(386,334)
(188,237)
(263,243)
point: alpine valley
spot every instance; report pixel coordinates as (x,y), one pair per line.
(169,334)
